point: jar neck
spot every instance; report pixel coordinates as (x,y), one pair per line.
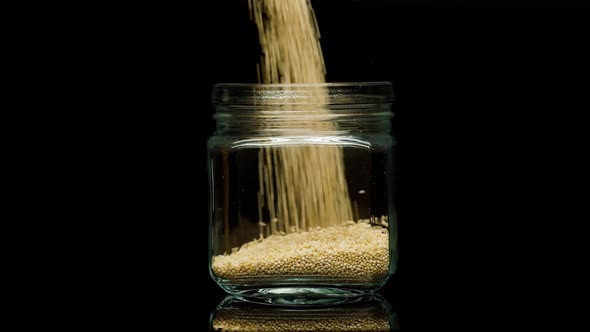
(303,109)
(303,121)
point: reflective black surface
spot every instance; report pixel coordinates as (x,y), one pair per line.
(367,313)
(459,309)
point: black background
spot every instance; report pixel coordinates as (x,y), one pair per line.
(104,190)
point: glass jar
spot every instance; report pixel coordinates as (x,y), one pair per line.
(301,189)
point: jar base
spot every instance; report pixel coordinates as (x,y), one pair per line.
(303,295)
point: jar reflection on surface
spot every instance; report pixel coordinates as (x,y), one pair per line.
(361,314)
(301,190)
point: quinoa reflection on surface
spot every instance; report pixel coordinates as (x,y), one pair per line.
(229,321)
(355,250)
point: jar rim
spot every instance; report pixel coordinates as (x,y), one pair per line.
(337,93)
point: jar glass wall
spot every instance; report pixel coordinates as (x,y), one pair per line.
(301,189)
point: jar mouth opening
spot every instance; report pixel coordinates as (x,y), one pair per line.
(339,93)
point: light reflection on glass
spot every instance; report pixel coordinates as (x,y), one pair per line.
(359,314)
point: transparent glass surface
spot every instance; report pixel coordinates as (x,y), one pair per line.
(253,251)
